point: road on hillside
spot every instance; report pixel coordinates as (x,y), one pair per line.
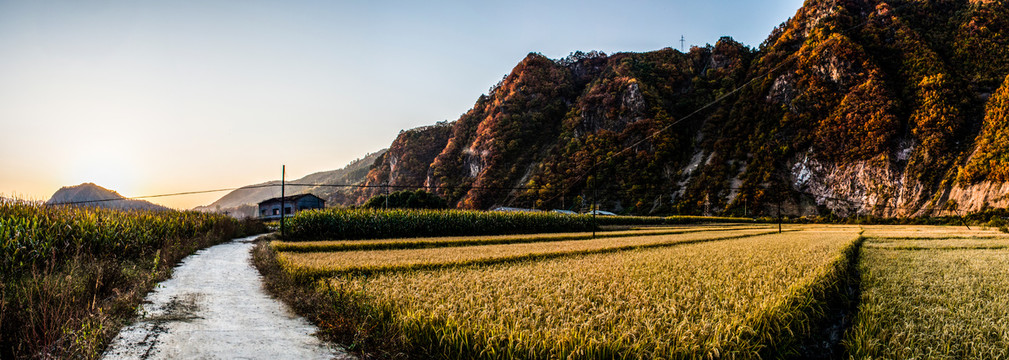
(214,307)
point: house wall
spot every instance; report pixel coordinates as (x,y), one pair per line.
(272,210)
(310,202)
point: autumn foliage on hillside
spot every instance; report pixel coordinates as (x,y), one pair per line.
(990,160)
(904,86)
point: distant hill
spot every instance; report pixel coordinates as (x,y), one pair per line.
(89,194)
(242,202)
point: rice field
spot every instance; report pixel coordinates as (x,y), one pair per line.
(931,298)
(717,291)
(930,232)
(410,243)
(733,293)
(938,244)
(335,262)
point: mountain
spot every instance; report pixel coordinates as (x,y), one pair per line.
(89,194)
(895,108)
(242,202)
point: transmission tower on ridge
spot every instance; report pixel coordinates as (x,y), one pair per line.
(682,41)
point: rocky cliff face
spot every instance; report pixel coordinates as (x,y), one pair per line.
(893,108)
(407,163)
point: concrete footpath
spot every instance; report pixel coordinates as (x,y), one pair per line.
(215,307)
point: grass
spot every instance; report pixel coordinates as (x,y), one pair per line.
(71,275)
(933,303)
(412,243)
(315,264)
(749,297)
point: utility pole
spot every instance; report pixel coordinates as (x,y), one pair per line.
(283,174)
(595,204)
(962,220)
(682,41)
(386,206)
(779,216)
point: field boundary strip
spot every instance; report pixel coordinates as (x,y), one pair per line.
(946,243)
(954,237)
(349,245)
(800,320)
(921,248)
(308,273)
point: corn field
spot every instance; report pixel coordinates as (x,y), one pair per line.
(70,276)
(340,223)
(32,233)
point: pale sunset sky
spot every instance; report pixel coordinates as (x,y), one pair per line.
(153,97)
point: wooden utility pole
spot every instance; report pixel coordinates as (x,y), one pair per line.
(962,220)
(283,174)
(595,204)
(779,216)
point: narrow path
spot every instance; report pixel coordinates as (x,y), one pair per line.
(214,307)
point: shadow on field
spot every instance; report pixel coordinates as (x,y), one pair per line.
(836,313)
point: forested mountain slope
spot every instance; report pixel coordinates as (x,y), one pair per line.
(883,107)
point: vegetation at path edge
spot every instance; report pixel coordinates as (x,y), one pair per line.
(72,275)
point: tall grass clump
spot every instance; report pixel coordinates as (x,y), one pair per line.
(339,223)
(69,276)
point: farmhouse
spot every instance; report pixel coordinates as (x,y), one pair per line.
(270,209)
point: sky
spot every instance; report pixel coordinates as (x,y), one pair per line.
(157,97)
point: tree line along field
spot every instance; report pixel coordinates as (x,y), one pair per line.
(689,291)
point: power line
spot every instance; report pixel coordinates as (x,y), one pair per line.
(363,186)
(577,178)
(717,100)
(164,195)
(670,125)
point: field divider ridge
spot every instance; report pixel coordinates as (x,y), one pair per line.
(812,321)
(943,248)
(303,273)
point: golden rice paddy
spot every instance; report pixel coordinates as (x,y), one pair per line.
(932,304)
(659,296)
(316,263)
(927,292)
(407,243)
